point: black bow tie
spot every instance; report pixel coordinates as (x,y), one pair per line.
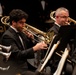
(18,33)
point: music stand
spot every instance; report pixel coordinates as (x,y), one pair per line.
(65,35)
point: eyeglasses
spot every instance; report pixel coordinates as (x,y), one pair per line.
(63,16)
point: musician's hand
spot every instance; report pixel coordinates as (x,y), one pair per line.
(40,46)
(29,35)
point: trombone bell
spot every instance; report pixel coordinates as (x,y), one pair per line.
(53,18)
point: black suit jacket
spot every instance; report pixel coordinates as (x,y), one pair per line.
(18,59)
(61,47)
(55,28)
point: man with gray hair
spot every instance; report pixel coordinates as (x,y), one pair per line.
(61,19)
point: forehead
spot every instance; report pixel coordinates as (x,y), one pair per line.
(24,20)
(65,13)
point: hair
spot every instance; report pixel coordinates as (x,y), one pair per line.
(17,14)
(58,11)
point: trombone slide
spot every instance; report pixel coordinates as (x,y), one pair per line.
(49,56)
(6,48)
(5,68)
(7,55)
(61,63)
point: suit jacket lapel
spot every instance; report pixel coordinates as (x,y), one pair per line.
(15,37)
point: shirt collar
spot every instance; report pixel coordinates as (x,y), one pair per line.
(57,24)
(14,28)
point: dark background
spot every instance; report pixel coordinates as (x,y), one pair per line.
(38,16)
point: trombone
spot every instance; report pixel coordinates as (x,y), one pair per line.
(41,66)
(62,62)
(41,36)
(65,54)
(52,14)
(7,49)
(47,36)
(5,54)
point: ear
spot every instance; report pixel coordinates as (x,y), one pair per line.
(13,22)
(56,16)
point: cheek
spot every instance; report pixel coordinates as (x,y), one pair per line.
(21,27)
(63,20)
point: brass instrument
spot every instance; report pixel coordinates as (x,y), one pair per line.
(41,67)
(5,54)
(62,62)
(52,16)
(7,49)
(47,36)
(4,20)
(65,54)
(4,68)
(60,55)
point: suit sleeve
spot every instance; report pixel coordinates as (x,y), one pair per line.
(17,53)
